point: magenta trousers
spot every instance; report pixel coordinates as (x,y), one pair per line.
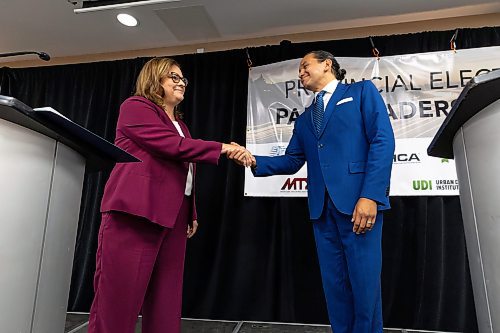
(139,265)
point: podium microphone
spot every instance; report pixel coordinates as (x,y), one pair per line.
(42,55)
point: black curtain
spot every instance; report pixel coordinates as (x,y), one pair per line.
(255,258)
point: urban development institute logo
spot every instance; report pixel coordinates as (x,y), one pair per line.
(439,184)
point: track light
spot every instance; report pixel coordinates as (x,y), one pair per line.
(123,5)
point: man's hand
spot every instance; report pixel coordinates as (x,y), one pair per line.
(364,215)
(192,229)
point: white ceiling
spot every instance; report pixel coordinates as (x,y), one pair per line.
(53,27)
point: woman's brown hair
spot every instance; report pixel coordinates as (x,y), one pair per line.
(148,82)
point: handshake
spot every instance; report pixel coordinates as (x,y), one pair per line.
(239,154)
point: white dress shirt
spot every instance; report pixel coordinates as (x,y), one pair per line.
(329,88)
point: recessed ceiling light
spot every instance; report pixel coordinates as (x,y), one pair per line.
(127,20)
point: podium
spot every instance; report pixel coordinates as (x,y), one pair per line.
(471,135)
(43,157)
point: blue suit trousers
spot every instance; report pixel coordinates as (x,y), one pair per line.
(350,267)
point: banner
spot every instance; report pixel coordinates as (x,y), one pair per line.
(418,89)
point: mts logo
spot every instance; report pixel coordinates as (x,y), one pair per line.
(422,185)
(295,184)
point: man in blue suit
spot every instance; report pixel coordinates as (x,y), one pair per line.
(346,138)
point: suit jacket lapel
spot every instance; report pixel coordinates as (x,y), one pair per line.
(337,95)
(310,123)
(164,117)
(185,129)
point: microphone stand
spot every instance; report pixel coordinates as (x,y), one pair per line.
(42,55)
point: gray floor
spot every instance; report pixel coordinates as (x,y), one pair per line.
(77,323)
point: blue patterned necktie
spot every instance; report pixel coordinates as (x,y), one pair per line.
(318,111)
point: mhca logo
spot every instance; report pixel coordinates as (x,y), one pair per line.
(294,184)
(400,158)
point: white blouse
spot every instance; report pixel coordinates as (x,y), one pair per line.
(189,180)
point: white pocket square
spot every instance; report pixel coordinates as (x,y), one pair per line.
(345,100)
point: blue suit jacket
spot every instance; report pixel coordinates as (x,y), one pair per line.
(352,155)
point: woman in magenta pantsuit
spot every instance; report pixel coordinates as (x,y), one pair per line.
(148,208)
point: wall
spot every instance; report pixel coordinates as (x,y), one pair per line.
(473,21)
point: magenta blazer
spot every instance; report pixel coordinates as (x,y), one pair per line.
(153,188)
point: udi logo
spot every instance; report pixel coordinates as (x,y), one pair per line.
(422,185)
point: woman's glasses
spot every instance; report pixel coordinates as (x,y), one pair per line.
(177,78)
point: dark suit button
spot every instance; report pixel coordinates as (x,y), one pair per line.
(320,145)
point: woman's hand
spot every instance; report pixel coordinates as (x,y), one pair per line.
(241,156)
(192,229)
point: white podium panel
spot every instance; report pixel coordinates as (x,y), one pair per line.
(26,164)
(43,156)
(477,154)
(40,196)
(59,242)
(470,134)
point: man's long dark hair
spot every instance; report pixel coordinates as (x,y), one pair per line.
(336,70)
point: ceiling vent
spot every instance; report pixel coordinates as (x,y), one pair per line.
(190,23)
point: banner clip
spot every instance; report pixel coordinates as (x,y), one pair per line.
(453,46)
(249,60)
(375,51)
